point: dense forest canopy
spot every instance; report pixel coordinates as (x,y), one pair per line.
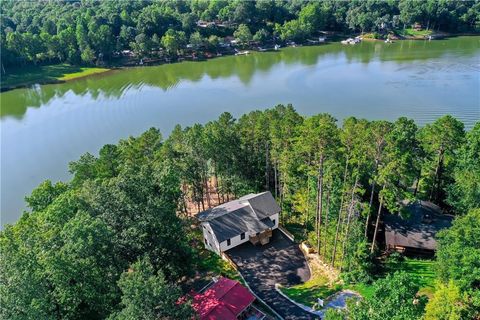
(116,241)
(91,31)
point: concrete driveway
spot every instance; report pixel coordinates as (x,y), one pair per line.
(280,261)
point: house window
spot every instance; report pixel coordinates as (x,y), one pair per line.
(242,236)
(228,242)
(273,221)
(206,242)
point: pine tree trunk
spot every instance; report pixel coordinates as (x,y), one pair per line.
(419,176)
(326,220)
(276,181)
(320,203)
(339,214)
(208,193)
(308,201)
(267,184)
(436,178)
(216,185)
(371,199)
(317,207)
(377,222)
(349,216)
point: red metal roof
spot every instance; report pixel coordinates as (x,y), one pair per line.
(225,299)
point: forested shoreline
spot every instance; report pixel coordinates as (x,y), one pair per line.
(117,241)
(95,32)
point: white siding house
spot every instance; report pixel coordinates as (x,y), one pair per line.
(250,218)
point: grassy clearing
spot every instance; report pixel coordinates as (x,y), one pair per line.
(421,272)
(365,290)
(320,285)
(30,75)
(410,32)
(307,293)
(215,265)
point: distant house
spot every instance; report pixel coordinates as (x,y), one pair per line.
(416,232)
(225,299)
(417,26)
(250,218)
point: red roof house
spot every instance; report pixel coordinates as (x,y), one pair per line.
(226,299)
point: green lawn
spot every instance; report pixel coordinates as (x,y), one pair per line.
(410,32)
(365,290)
(211,262)
(308,292)
(30,75)
(421,271)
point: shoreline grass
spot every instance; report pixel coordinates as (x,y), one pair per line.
(31,75)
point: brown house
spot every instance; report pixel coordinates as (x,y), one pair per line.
(415,233)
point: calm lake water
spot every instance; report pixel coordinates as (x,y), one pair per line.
(45,127)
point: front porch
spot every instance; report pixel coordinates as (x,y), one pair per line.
(261,237)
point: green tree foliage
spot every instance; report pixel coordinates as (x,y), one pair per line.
(243,34)
(57,263)
(173,41)
(44,195)
(440,140)
(448,303)
(393,298)
(464,194)
(64,258)
(458,257)
(146,295)
(130,206)
(91,31)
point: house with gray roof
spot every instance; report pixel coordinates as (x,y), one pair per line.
(416,231)
(249,218)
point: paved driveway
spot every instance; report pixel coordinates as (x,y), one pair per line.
(280,261)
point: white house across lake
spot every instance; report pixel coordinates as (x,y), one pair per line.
(249,218)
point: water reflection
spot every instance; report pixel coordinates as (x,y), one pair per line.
(114,84)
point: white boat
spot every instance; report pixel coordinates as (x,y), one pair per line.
(242,53)
(352,41)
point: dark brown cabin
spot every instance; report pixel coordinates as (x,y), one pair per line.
(415,232)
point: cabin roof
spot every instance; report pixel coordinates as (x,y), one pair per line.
(418,228)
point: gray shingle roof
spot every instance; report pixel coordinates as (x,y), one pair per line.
(263,203)
(419,229)
(248,213)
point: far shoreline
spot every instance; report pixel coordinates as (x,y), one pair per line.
(80,72)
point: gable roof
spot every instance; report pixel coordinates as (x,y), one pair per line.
(263,203)
(236,222)
(419,229)
(248,213)
(225,299)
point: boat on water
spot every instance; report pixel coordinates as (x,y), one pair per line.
(242,53)
(352,40)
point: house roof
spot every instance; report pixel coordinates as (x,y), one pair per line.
(225,299)
(419,228)
(263,203)
(236,222)
(248,213)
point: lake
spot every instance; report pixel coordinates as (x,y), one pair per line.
(43,128)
